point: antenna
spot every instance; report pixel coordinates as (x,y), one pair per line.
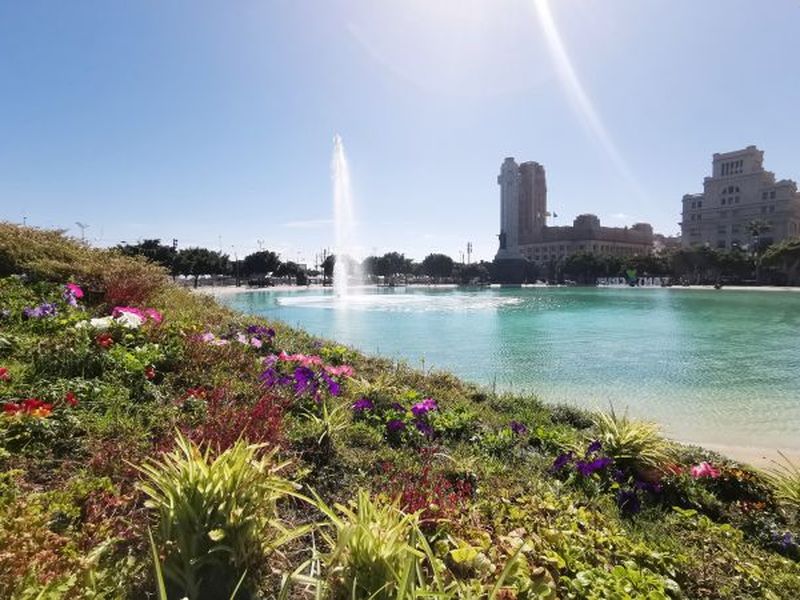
(83,227)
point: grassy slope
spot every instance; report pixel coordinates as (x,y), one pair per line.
(73,520)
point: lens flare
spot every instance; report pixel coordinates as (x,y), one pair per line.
(577,94)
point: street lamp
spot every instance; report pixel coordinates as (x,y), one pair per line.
(83,227)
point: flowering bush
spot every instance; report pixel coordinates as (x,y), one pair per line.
(307,376)
(426,491)
(227,421)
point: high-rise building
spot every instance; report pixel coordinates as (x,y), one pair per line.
(738,192)
(524,233)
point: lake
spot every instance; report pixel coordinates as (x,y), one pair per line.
(721,368)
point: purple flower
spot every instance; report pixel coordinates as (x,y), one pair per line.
(363,404)
(593,447)
(618,475)
(561,461)
(422,408)
(424,428)
(785,541)
(628,502)
(397,406)
(518,428)
(333,386)
(41,311)
(395,425)
(598,464)
(304,380)
(261,332)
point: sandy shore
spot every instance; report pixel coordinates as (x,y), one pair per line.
(751,455)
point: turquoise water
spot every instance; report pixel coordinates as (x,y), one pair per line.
(714,367)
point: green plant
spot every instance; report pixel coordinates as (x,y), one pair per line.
(634,444)
(217,517)
(785,479)
(374,550)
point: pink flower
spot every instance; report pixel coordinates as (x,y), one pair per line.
(704,469)
(74,290)
(341,370)
(120,310)
(154,315)
(4,374)
(256,343)
(207,337)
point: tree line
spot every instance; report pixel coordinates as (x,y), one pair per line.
(196,262)
(779,264)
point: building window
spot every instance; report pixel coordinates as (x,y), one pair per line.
(720,243)
(772,208)
(763,195)
(699,204)
(723,213)
(694,204)
(772,195)
(722,230)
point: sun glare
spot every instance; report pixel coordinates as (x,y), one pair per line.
(577,93)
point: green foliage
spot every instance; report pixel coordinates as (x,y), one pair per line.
(622,582)
(785,478)
(631,443)
(217,517)
(374,550)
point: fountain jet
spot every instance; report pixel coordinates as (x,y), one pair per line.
(345,268)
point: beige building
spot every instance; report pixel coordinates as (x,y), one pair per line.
(738,192)
(524,232)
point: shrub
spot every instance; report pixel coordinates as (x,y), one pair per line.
(374,550)
(785,478)
(633,444)
(227,421)
(217,517)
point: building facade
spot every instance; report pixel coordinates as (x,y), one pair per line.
(524,233)
(738,192)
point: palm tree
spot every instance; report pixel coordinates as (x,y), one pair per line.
(756,227)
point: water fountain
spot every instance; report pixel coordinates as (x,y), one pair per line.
(344,269)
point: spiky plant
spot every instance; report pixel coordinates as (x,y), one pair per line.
(785,479)
(376,550)
(635,444)
(217,517)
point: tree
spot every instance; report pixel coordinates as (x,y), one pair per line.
(328,265)
(437,265)
(260,263)
(786,258)
(584,267)
(151,249)
(473,272)
(195,262)
(292,269)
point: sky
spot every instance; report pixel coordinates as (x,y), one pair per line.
(213,122)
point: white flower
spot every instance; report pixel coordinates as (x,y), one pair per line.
(99,324)
(129,320)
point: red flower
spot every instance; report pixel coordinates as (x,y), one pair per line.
(11,408)
(150,373)
(29,406)
(104,340)
(71,399)
(4,374)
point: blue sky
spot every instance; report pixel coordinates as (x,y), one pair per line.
(212,122)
